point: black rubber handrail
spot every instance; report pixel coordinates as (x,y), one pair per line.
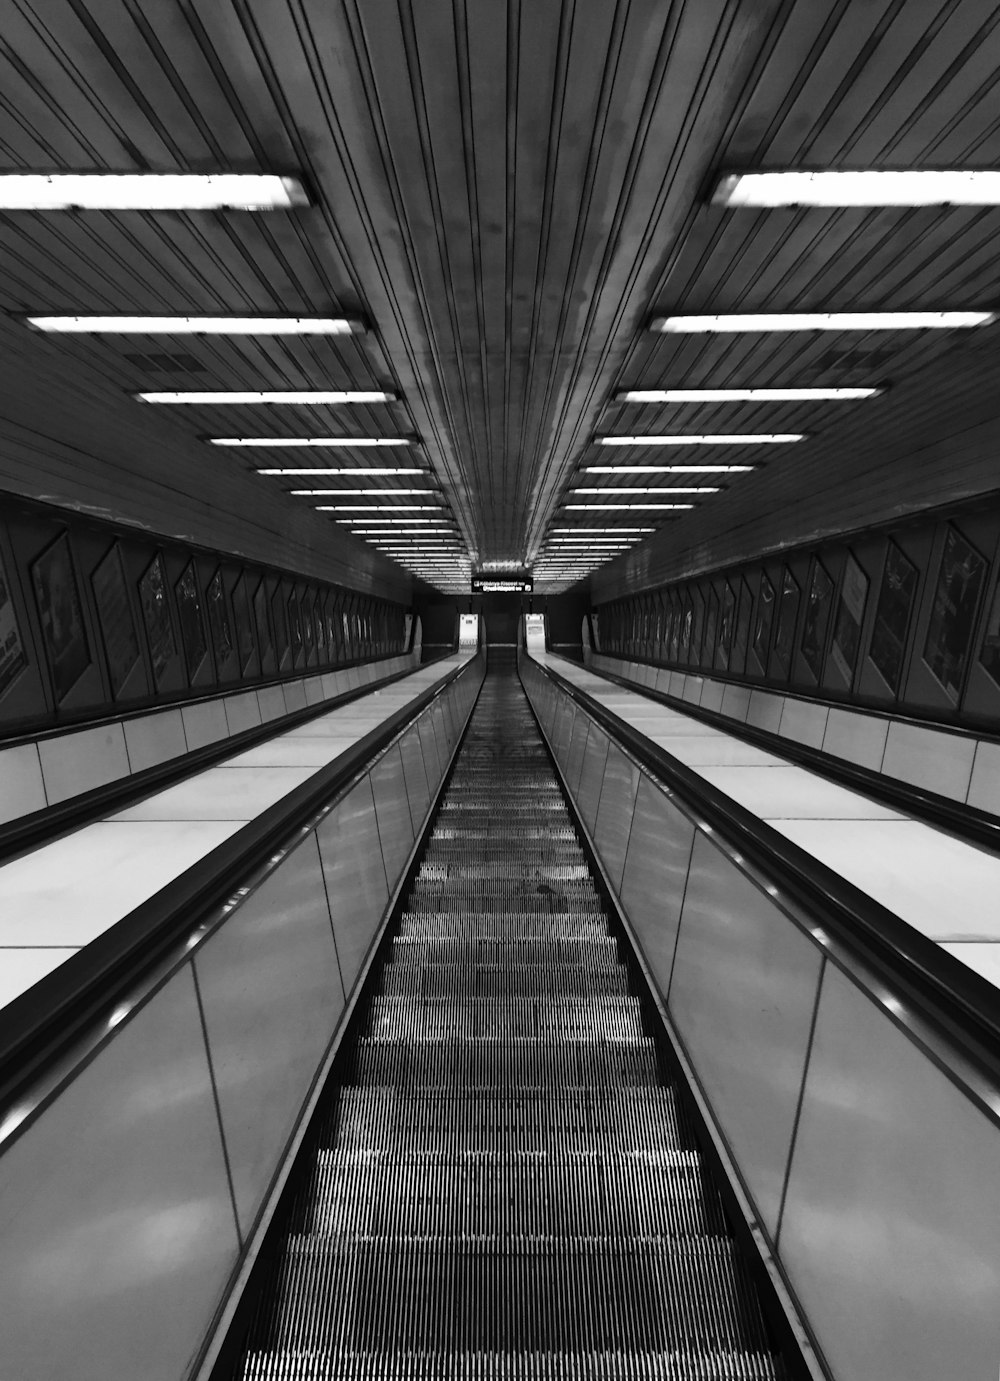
(40,1025)
(969,822)
(41,827)
(942,991)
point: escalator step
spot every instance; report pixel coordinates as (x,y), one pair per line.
(503,1183)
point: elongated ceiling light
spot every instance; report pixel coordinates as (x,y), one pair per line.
(741,395)
(150,192)
(655,489)
(201,325)
(668,469)
(348,470)
(375,507)
(860,187)
(359,493)
(620,507)
(335,441)
(819,321)
(704,439)
(604,529)
(301,396)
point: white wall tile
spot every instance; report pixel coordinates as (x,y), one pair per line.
(21,787)
(712,693)
(294,695)
(80,761)
(736,702)
(857,737)
(155,738)
(984,789)
(930,758)
(314,690)
(693,687)
(803,721)
(271,702)
(205,723)
(242,712)
(765,710)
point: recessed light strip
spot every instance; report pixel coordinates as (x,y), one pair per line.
(300,396)
(360,493)
(819,321)
(703,439)
(338,441)
(102,191)
(654,489)
(200,325)
(620,507)
(859,187)
(667,469)
(742,395)
(350,470)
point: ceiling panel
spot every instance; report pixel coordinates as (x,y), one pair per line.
(508,192)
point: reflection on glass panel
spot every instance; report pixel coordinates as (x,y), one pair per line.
(319,628)
(60,613)
(114,613)
(788,612)
(218,622)
(676,616)
(990,655)
(738,660)
(155,606)
(261,622)
(726,623)
(953,615)
(279,622)
(685,638)
(12,655)
(892,616)
(850,616)
(244,627)
(191,622)
(765,618)
(711,628)
(819,607)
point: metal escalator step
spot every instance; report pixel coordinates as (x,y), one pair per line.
(503,1184)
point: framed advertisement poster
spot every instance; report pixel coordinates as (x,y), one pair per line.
(114,614)
(192,624)
(219,624)
(244,626)
(737,661)
(155,604)
(850,616)
(819,606)
(60,612)
(990,653)
(892,616)
(788,613)
(953,614)
(765,618)
(260,619)
(12,656)
(725,627)
(279,619)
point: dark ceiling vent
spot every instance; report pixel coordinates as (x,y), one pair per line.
(166,364)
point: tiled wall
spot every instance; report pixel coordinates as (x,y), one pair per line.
(59,766)
(874,1175)
(953,763)
(129,1199)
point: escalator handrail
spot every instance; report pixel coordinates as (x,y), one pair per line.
(38,1027)
(942,991)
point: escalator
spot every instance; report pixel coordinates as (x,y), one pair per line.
(502,1180)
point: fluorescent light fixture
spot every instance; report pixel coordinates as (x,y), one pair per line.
(303,396)
(619,507)
(150,192)
(351,470)
(860,187)
(741,395)
(819,321)
(656,489)
(668,469)
(703,439)
(346,441)
(200,325)
(604,529)
(360,493)
(372,507)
